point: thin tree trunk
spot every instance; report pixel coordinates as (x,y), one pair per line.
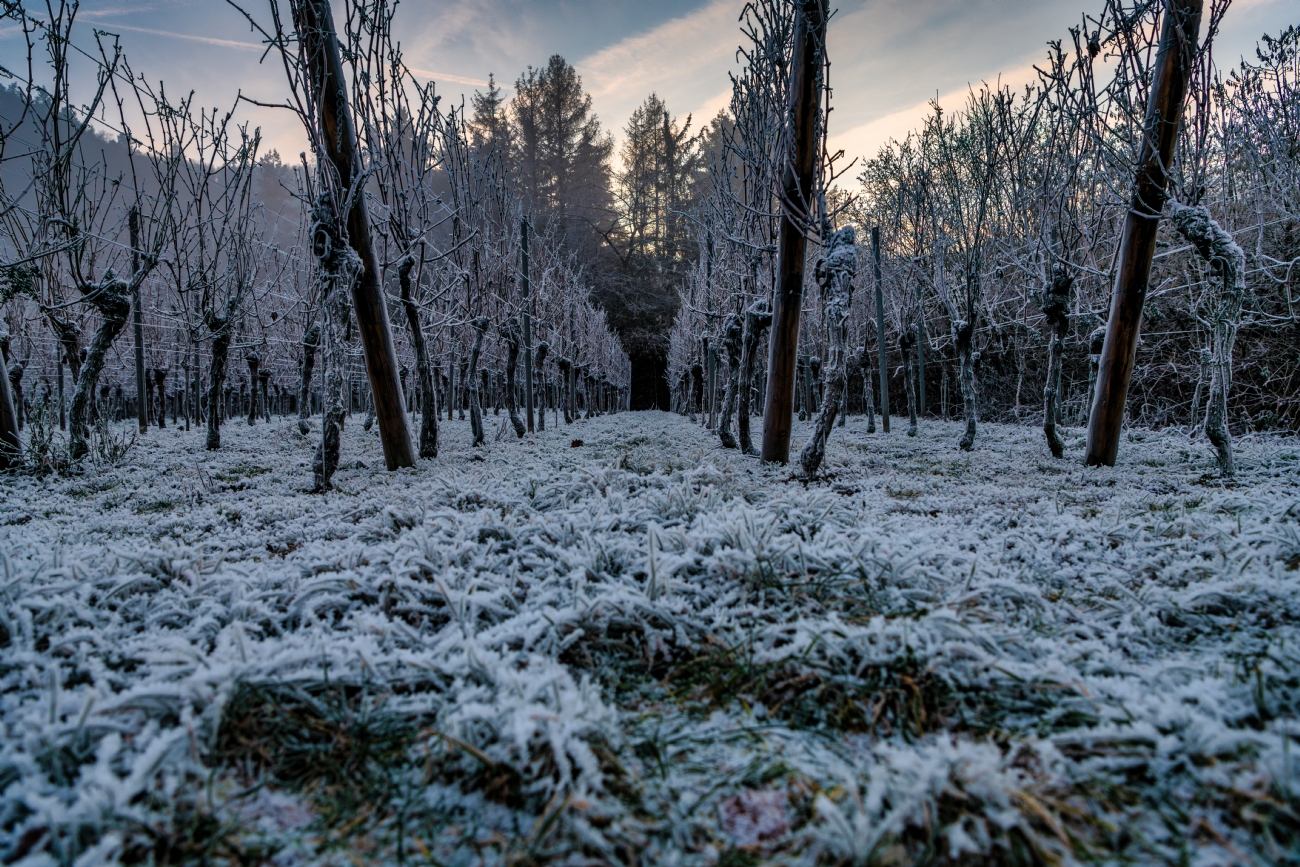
(310,343)
(137,315)
(711,390)
(528,325)
(512,338)
(758,318)
(732,342)
(540,359)
(463,390)
(573,390)
(965,340)
(815,385)
(198,382)
(264,379)
(565,367)
(920,361)
(1173,68)
(187,407)
(697,390)
(475,409)
(907,343)
(254,361)
(796,205)
(15,377)
(868,394)
(706,374)
(850,367)
(160,382)
(222,330)
(882,345)
(11,448)
(802,402)
(1056,305)
(424,374)
(451,388)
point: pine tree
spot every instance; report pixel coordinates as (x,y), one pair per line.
(490,125)
(560,153)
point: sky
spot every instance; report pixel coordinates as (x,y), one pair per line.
(889,58)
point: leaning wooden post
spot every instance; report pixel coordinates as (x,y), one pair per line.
(796,197)
(882,347)
(315,25)
(528,325)
(1137,243)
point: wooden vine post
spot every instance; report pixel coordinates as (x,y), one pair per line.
(524,291)
(796,199)
(315,25)
(1174,60)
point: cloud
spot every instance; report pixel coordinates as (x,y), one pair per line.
(457,79)
(684,60)
(676,51)
(865,140)
(207,40)
(711,107)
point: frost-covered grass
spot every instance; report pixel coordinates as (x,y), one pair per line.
(649,650)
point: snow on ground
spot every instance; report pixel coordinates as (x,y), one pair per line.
(646,649)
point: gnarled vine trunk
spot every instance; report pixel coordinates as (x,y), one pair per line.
(338,268)
(222,329)
(1056,304)
(835,272)
(1223,308)
(112,298)
(513,338)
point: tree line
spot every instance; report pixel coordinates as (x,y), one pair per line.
(997,262)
